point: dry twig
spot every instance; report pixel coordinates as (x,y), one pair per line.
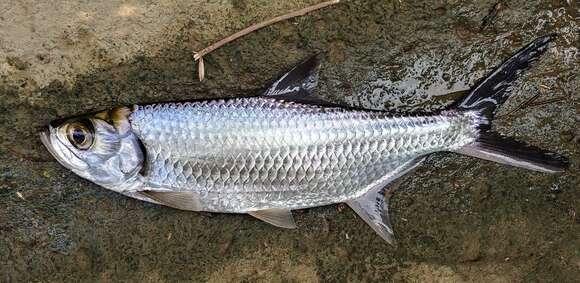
(522,105)
(492,14)
(198,56)
(547,101)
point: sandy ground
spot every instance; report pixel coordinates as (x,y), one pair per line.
(46,41)
(457,219)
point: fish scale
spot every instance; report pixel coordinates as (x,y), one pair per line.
(270,153)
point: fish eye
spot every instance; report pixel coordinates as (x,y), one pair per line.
(80,135)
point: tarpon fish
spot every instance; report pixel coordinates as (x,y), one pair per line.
(286,148)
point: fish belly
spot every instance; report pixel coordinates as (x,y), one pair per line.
(249,154)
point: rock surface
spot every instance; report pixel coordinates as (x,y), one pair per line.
(457,219)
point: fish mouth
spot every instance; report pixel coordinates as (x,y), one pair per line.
(45,139)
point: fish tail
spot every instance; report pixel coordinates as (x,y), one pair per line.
(486,98)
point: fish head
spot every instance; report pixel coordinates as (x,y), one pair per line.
(98,147)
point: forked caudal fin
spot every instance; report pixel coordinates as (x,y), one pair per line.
(487,96)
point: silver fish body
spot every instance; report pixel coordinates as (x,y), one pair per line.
(287,148)
(257,153)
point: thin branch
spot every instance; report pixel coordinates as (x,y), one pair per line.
(198,56)
(492,14)
(547,101)
(200,69)
(522,105)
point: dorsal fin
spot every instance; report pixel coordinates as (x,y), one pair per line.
(298,84)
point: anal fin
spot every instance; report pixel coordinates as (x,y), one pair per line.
(376,214)
(279,217)
(373,206)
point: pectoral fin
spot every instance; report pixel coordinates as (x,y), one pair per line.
(179,200)
(373,206)
(279,217)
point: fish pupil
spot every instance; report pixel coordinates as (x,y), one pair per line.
(78,136)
